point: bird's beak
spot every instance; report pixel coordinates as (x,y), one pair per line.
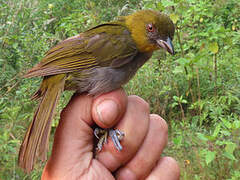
(167,45)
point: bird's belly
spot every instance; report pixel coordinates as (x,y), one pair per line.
(100,80)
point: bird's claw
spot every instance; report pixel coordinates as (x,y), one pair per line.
(102,135)
(116,136)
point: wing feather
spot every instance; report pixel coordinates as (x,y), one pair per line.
(100,46)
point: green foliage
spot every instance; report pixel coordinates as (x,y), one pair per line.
(196,91)
(207,155)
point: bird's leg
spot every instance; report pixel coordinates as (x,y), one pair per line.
(116,136)
(102,135)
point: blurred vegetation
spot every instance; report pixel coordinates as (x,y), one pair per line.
(197,91)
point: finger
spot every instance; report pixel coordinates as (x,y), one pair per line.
(134,124)
(166,168)
(149,153)
(108,108)
(73,134)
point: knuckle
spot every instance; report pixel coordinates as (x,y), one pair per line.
(172,164)
(140,102)
(160,124)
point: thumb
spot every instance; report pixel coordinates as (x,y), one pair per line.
(108,108)
(73,138)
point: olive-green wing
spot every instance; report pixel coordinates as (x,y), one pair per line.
(104,45)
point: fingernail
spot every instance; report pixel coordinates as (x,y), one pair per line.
(107,111)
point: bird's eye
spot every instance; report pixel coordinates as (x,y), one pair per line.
(150,28)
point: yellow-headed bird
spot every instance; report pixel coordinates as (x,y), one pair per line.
(96,61)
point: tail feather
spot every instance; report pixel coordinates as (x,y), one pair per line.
(35,143)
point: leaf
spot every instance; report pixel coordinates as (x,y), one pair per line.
(229,156)
(177,140)
(217,130)
(183,61)
(15,45)
(213,47)
(236,124)
(202,137)
(176,98)
(178,70)
(210,156)
(184,101)
(174,104)
(230,147)
(226,123)
(166,3)
(174,18)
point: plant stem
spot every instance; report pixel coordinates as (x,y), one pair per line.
(180,42)
(198,88)
(180,104)
(215,73)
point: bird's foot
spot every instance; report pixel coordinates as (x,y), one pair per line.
(102,135)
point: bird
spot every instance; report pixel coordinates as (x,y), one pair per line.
(97,61)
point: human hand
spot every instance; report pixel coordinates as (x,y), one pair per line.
(145,138)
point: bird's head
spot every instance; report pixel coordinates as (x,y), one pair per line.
(151,30)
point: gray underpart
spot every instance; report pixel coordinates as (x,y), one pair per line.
(105,79)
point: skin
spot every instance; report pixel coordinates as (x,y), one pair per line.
(72,153)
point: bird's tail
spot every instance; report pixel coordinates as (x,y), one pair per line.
(35,143)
